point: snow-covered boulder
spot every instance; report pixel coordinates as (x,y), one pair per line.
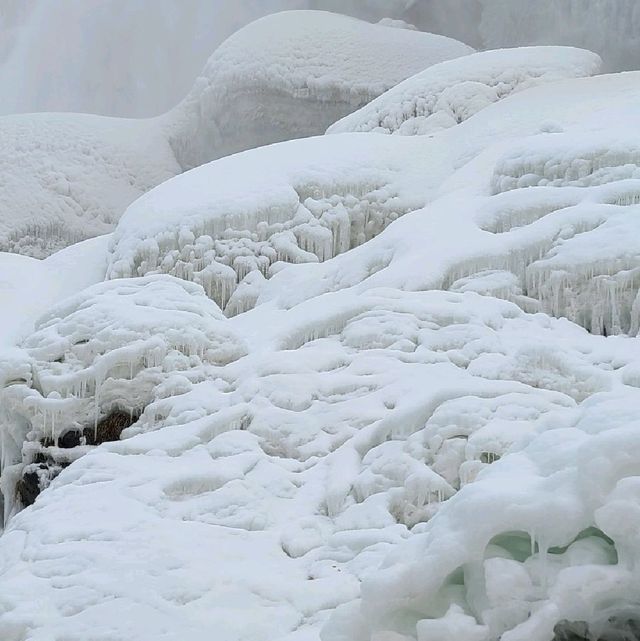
(67,177)
(95,361)
(448,93)
(292,74)
(242,218)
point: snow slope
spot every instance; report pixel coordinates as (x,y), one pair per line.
(404,445)
(29,287)
(68,177)
(449,93)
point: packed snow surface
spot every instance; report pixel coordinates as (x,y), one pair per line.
(415,421)
(68,177)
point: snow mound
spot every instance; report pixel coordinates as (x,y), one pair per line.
(29,287)
(96,360)
(291,75)
(450,92)
(540,211)
(67,177)
(542,546)
(233,222)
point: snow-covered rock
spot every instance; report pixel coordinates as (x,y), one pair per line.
(253,212)
(67,177)
(446,94)
(404,444)
(291,75)
(96,361)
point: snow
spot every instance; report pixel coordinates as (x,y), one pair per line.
(366,388)
(133,44)
(28,287)
(68,177)
(446,94)
(292,74)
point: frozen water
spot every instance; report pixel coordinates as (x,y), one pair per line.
(446,94)
(292,74)
(405,427)
(68,177)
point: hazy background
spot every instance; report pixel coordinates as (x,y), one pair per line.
(140,57)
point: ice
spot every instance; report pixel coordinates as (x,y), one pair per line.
(448,93)
(249,212)
(68,177)
(292,74)
(415,419)
(95,362)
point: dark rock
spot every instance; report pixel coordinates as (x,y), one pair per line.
(70,439)
(110,427)
(28,486)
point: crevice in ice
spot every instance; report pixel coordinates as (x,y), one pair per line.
(621,627)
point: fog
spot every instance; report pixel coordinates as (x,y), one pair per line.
(139,57)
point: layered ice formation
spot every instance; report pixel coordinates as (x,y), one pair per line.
(92,366)
(68,177)
(446,94)
(415,421)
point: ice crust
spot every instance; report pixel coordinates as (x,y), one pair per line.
(68,177)
(420,430)
(446,94)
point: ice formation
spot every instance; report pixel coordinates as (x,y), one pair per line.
(446,94)
(415,421)
(249,214)
(232,224)
(68,177)
(95,362)
(292,74)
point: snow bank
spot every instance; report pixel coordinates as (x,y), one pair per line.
(291,75)
(448,93)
